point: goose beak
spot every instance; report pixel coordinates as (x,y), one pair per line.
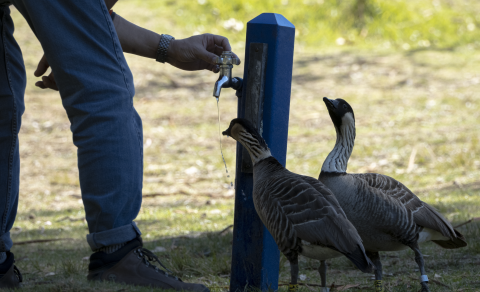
(226,132)
(331,104)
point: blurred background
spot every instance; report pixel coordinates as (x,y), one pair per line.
(325,23)
(410,70)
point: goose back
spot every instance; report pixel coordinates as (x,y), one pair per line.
(423,214)
(384,210)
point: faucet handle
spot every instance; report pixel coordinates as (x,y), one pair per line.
(227,58)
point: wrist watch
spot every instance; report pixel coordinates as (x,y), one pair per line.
(163,45)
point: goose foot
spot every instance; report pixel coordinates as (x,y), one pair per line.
(425,287)
(379,286)
(375,258)
(292,287)
(424,283)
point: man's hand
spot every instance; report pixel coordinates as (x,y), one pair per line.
(47,81)
(197,52)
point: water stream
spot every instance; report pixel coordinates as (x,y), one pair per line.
(220,139)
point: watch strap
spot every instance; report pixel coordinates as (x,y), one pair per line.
(163,45)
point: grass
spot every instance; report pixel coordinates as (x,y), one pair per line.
(417,114)
(398,24)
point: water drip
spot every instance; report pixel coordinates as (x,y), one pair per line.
(220,139)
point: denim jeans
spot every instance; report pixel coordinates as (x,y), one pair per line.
(96,88)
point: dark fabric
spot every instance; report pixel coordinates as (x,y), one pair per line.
(96,87)
(7,264)
(12,89)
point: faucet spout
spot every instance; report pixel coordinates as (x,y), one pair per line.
(225,63)
(224,80)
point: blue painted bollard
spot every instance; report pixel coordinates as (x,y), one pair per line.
(269,60)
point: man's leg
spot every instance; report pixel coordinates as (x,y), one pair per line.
(96,87)
(12,89)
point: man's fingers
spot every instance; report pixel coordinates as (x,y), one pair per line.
(46,82)
(49,82)
(218,50)
(237,58)
(207,56)
(40,84)
(212,67)
(214,44)
(222,42)
(42,67)
(211,57)
(53,82)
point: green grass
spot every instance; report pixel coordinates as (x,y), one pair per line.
(398,24)
(417,114)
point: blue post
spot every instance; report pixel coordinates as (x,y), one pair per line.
(255,255)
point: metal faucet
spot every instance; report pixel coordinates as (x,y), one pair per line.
(225,80)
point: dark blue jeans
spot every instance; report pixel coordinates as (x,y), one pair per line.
(96,87)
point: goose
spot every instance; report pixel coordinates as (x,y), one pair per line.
(300,213)
(387,215)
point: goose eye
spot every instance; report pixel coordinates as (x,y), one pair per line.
(345,106)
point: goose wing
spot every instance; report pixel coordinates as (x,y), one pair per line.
(423,214)
(326,192)
(292,204)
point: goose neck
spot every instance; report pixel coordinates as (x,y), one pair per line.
(257,151)
(337,160)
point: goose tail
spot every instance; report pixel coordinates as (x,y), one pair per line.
(457,242)
(361,260)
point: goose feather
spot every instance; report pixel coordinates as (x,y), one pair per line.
(302,215)
(387,215)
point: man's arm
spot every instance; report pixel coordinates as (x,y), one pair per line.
(135,39)
(193,53)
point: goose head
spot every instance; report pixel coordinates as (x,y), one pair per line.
(343,119)
(340,112)
(244,132)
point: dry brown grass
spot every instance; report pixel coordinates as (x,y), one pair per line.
(417,118)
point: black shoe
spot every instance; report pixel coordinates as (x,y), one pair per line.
(132,264)
(10,276)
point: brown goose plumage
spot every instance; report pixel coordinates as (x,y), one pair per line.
(423,214)
(302,215)
(387,215)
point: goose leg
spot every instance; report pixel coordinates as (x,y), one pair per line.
(293,259)
(322,270)
(375,258)
(421,266)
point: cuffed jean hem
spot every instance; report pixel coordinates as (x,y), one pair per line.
(117,235)
(5,242)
